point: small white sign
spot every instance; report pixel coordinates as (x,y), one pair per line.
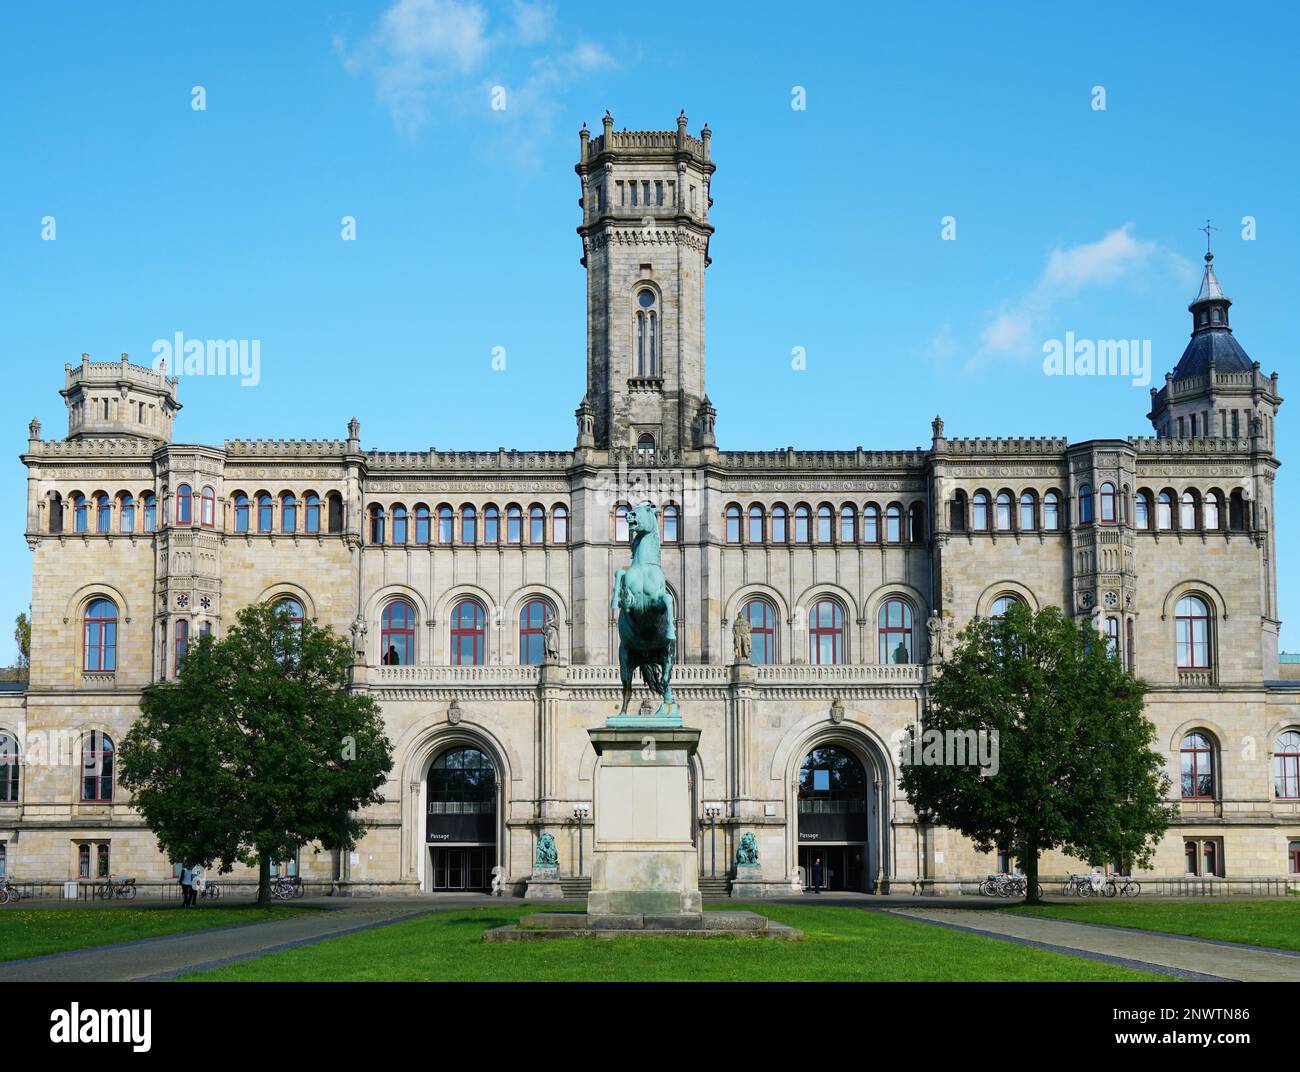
(769,809)
(938,857)
(354,858)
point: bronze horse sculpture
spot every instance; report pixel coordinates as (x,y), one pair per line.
(647,632)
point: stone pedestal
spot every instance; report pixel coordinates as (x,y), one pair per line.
(644,866)
(544,884)
(749,883)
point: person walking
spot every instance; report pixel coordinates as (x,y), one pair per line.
(817,874)
(187,885)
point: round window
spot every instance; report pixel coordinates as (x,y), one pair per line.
(646,298)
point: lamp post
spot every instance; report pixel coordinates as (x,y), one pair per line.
(580,812)
(713,811)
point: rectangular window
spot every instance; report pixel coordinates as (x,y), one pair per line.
(102,869)
(659,192)
(632,191)
(83,861)
(3,859)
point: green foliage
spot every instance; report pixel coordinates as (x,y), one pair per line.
(23,637)
(1076,770)
(258,748)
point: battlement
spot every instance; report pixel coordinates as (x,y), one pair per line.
(108,399)
(1008,445)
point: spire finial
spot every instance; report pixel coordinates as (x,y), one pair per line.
(1208,229)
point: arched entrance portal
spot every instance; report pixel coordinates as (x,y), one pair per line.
(461,824)
(835,829)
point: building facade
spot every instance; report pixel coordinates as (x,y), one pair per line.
(475,589)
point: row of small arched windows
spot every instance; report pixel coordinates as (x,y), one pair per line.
(827,524)
(395,525)
(1005,512)
(190,507)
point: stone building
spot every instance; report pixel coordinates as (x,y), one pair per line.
(455,573)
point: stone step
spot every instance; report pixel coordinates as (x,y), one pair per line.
(714,887)
(573,886)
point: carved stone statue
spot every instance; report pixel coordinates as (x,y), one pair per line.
(647,628)
(551,639)
(741,638)
(546,856)
(498,881)
(935,628)
(747,850)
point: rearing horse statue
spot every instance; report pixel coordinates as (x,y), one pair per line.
(646,631)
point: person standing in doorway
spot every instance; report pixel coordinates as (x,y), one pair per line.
(187,884)
(817,874)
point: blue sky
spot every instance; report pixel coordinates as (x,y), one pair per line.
(225,222)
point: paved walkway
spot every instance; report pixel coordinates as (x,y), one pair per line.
(1167,954)
(175,954)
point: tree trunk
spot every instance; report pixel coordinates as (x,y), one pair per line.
(263,880)
(1031,875)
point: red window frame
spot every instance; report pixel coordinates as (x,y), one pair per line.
(1085,504)
(819,631)
(1186,640)
(1107,492)
(376,524)
(9,770)
(515,523)
(103,513)
(446,525)
(423,524)
(825,524)
(399,523)
(265,512)
(467,630)
(761,616)
(757,527)
(288,512)
(181,642)
(733,524)
(621,532)
(99,637)
(1196,759)
(311,512)
(780,523)
(1286,766)
(871,523)
(241,512)
(802,523)
(532,639)
(468,525)
(184,505)
(894,628)
(537,524)
(126,512)
(208,508)
(560,524)
(397,632)
(491,524)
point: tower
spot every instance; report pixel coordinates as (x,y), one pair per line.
(107,399)
(645,244)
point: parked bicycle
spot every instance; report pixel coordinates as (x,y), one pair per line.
(1006,886)
(1123,886)
(287,888)
(9,893)
(110,888)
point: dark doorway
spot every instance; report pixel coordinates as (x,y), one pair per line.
(462,868)
(834,819)
(842,866)
(461,823)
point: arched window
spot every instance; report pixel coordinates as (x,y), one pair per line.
(56,513)
(1142,510)
(97,768)
(980,512)
(671,523)
(126,512)
(376,524)
(208,510)
(265,510)
(536,524)
(825,523)
(560,524)
(1286,766)
(1085,504)
(311,513)
(762,631)
(468,639)
(647,333)
(288,512)
(1212,511)
(397,634)
(645,445)
(291,610)
(421,524)
(733,523)
(515,524)
(78,512)
(895,631)
(1112,637)
(1165,511)
(491,523)
(780,520)
(1192,633)
(802,522)
(399,524)
(848,523)
(532,638)
(103,513)
(621,534)
(150,512)
(100,639)
(826,633)
(462,782)
(184,505)
(893,523)
(871,523)
(1108,502)
(334,509)
(1002,514)
(1002,604)
(1237,511)
(182,642)
(1027,519)
(756,524)
(446,524)
(1051,511)
(916,523)
(1196,766)
(9,761)
(1187,512)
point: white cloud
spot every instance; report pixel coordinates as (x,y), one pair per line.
(447,57)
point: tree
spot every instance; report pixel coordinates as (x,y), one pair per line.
(1074,765)
(257,748)
(23,635)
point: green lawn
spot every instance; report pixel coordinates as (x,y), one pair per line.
(1269,923)
(37,931)
(841,944)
